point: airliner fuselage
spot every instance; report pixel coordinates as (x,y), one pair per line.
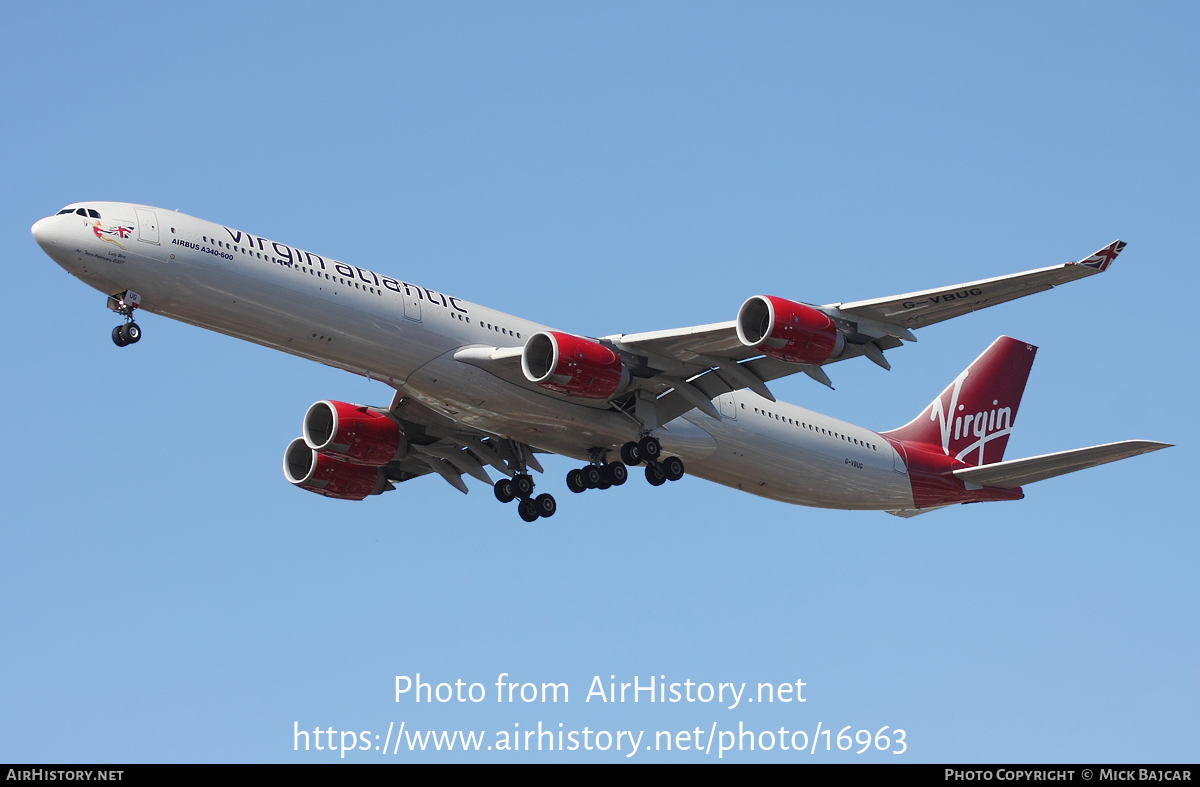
(435,348)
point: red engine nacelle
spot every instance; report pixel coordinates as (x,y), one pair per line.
(787,330)
(353,433)
(570,365)
(327,476)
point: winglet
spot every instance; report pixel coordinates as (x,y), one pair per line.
(1103,258)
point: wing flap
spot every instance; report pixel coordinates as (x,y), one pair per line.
(1018,472)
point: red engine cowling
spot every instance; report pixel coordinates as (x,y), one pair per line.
(327,476)
(787,330)
(353,433)
(570,365)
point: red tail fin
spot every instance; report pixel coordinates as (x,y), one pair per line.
(973,417)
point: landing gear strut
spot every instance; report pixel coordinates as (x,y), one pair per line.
(123,304)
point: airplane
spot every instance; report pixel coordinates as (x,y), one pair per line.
(474,388)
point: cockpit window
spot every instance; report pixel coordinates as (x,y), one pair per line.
(85,212)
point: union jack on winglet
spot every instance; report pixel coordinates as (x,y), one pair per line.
(1103,258)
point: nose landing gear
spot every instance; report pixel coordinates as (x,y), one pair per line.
(124,303)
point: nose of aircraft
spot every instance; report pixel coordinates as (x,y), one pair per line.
(42,232)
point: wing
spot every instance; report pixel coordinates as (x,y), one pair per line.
(918,309)
(683,368)
(710,359)
(441,445)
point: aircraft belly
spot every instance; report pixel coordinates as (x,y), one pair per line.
(798,471)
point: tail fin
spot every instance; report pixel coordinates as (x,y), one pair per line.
(973,417)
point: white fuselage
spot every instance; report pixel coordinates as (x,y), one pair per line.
(393,331)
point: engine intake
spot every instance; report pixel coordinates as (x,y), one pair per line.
(787,330)
(572,365)
(327,476)
(353,433)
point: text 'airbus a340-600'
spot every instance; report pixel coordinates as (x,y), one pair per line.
(476,389)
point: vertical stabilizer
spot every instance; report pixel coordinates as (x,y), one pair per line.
(973,417)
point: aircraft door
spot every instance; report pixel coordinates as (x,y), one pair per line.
(728,406)
(147,226)
(412,303)
(899,459)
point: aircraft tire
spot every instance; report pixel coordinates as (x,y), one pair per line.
(630,454)
(616,473)
(575,481)
(528,511)
(673,468)
(545,505)
(522,485)
(118,336)
(591,476)
(655,475)
(503,489)
(132,332)
(649,448)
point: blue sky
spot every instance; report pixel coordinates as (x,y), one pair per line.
(166,596)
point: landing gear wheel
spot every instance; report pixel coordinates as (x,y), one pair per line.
(650,448)
(604,484)
(631,454)
(655,474)
(591,476)
(615,473)
(545,505)
(575,481)
(118,336)
(673,468)
(131,332)
(522,485)
(528,511)
(503,490)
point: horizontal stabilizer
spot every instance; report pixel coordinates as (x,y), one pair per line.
(1017,472)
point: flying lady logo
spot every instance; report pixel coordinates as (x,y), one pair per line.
(106,233)
(956,427)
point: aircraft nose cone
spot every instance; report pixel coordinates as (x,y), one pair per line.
(42,234)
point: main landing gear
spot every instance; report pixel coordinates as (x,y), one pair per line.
(123,304)
(597,476)
(520,487)
(648,450)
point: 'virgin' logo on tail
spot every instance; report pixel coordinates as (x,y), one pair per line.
(983,425)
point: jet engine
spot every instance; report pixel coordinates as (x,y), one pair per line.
(789,331)
(330,477)
(572,365)
(353,433)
